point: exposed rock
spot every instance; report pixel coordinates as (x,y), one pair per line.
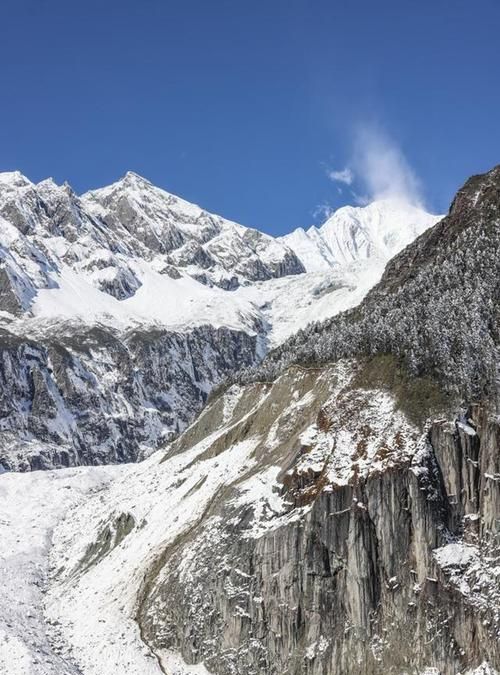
(349,577)
(94,397)
(304,526)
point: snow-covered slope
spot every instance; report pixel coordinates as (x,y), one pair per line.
(338,517)
(132,253)
(128,304)
(379,230)
(286,513)
(31,505)
(117,240)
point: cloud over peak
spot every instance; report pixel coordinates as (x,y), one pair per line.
(345,176)
(377,169)
(382,168)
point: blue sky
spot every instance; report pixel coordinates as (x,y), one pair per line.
(267,112)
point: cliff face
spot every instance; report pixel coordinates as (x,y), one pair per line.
(392,570)
(301,526)
(93,396)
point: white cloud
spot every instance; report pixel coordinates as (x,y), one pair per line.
(382,169)
(322,212)
(342,176)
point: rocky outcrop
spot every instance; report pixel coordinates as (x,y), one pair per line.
(392,570)
(91,396)
(131,259)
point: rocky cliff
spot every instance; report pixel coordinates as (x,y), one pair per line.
(313,527)
(120,310)
(386,565)
(90,395)
(335,511)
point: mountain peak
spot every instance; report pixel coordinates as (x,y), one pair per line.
(133,178)
(380,229)
(14,179)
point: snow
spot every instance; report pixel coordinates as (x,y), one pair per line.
(66,273)
(466,428)
(316,648)
(177,303)
(262,491)
(474,573)
(56,621)
(13,179)
(457,555)
(483,669)
(290,303)
(30,507)
(173,664)
(381,229)
(96,610)
(374,436)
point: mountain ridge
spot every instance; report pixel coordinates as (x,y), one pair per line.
(380,228)
(318,517)
(125,260)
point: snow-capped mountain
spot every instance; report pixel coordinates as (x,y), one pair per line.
(334,511)
(127,304)
(118,239)
(379,230)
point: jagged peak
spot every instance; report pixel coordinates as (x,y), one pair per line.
(14,179)
(47,183)
(131,177)
(130,183)
(378,208)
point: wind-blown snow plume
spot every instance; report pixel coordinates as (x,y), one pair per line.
(379,169)
(345,176)
(383,169)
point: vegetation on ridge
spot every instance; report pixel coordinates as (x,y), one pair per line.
(435,310)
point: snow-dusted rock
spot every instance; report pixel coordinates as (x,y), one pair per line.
(121,309)
(299,526)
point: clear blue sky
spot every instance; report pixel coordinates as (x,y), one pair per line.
(245,107)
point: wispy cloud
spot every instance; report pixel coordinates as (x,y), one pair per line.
(322,211)
(376,169)
(345,175)
(381,167)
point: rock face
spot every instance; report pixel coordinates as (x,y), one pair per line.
(122,308)
(312,528)
(96,397)
(386,570)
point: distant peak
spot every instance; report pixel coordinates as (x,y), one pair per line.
(47,181)
(134,178)
(387,207)
(14,179)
